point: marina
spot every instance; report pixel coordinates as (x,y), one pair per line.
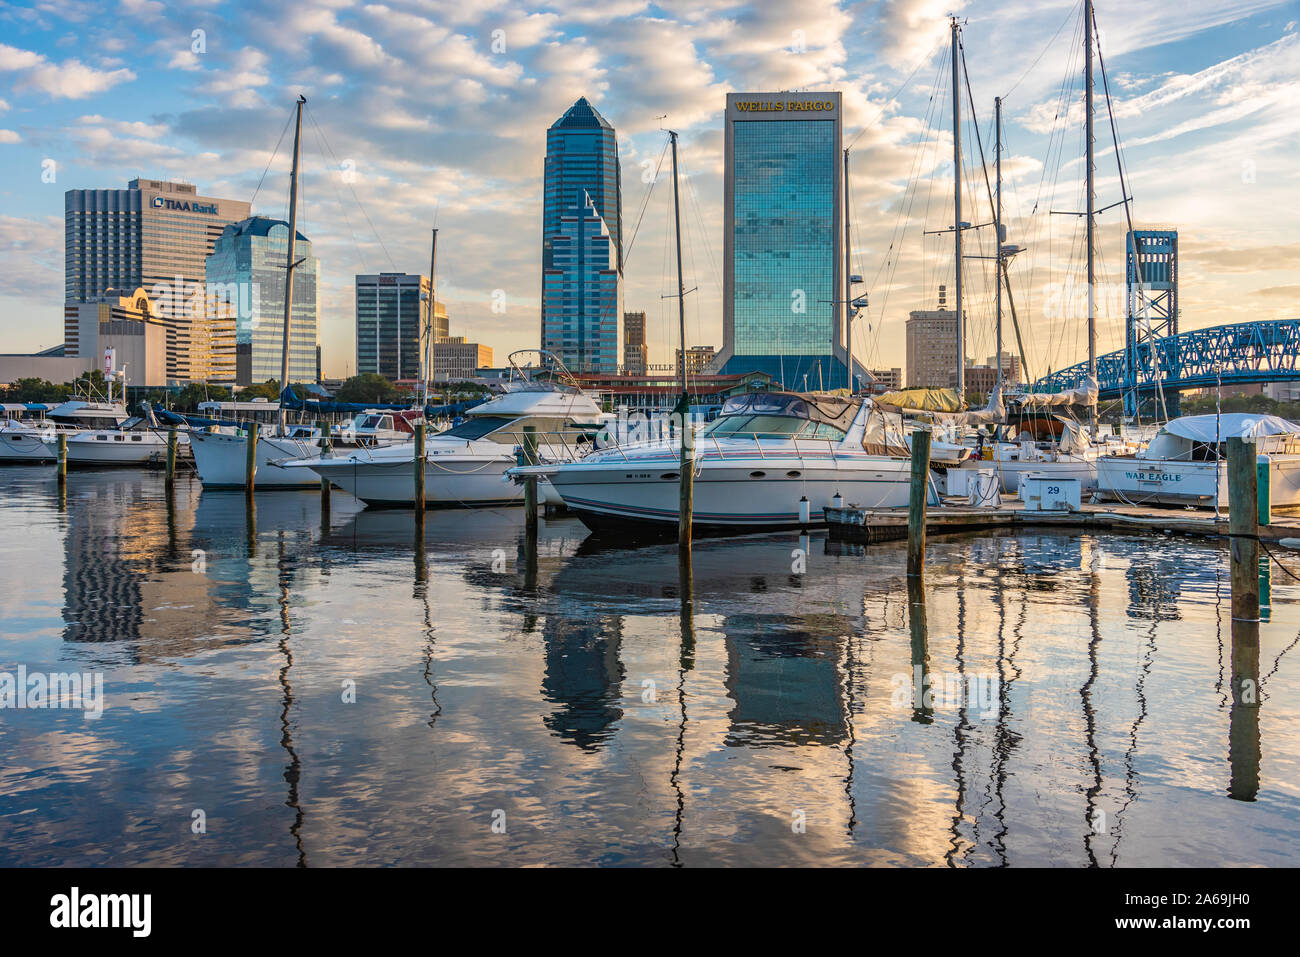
(614,711)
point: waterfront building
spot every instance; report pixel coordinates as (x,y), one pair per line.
(582,241)
(580,293)
(636,353)
(457,360)
(698,359)
(887,380)
(783,260)
(390,315)
(931,348)
(246,271)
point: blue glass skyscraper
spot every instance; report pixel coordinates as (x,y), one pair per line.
(783,310)
(582,242)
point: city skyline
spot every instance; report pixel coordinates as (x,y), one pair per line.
(1202,103)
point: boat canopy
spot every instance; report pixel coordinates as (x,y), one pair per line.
(1213,429)
(921,400)
(835,410)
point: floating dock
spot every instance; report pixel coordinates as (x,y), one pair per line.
(889,524)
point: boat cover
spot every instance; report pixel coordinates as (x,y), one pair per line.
(1205,428)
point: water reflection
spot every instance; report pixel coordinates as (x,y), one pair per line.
(1061,699)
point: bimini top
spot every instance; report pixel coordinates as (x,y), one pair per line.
(832,409)
(1213,429)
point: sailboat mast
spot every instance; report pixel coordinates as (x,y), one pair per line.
(431,321)
(681,286)
(997,230)
(289,262)
(1091,207)
(956,224)
(848,282)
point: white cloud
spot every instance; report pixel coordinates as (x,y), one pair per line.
(70,79)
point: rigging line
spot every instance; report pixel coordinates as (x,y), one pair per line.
(275,152)
(361,262)
(360,205)
(644,203)
(1041,53)
(919,63)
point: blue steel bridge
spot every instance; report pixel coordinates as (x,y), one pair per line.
(1246,352)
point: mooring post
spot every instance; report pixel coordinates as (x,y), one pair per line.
(250,462)
(325,448)
(419,464)
(62,446)
(916,505)
(530,483)
(1243,528)
(171,458)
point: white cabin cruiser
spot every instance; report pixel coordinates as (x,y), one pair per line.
(26,442)
(1186,463)
(133,443)
(466,465)
(772,460)
(221,452)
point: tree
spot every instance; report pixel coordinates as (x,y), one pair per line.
(270,389)
(188,399)
(367,387)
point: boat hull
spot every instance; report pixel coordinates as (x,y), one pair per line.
(29,448)
(753,495)
(221,461)
(112,449)
(1166,482)
(448,481)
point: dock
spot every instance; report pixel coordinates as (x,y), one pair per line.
(890,524)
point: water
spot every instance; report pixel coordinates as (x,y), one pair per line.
(564,702)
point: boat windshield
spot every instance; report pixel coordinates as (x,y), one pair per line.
(781,426)
(476,426)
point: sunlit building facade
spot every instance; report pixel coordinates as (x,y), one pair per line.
(783,310)
(391,309)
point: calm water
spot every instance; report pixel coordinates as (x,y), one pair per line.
(570,702)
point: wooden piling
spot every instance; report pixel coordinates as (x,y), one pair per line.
(325,448)
(419,463)
(530,483)
(1243,528)
(686,481)
(171,458)
(916,504)
(61,443)
(250,462)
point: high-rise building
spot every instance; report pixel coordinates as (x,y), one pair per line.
(391,309)
(783,288)
(931,348)
(636,352)
(154,235)
(455,360)
(582,241)
(887,380)
(698,359)
(246,271)
(580,293)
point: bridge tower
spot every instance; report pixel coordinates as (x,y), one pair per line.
(1151,270)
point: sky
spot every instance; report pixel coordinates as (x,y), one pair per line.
(434,112)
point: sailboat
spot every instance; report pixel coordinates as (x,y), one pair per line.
(221,456)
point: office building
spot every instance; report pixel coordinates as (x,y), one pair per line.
(887,380)
(636,353)
(931,348)
(698,359)
(142,342)
(455,360)
(580,293)
(582,242)
(783,286)
(391,310)
(1010,366)
(246,271)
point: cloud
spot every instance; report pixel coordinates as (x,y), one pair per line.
(70,79)
(9,136)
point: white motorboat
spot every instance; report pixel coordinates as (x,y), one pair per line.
(221,452)
(1066,454)
(133,443)
(466,465)
(87,414)
(1186,462)
(27,442)
(771,460)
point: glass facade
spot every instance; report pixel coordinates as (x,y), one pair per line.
(390,309)
(246,270)
(783,251)
(582,214)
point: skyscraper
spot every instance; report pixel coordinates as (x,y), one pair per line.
(390,313)
(246,270)
(636,353)
(582,242)
(783,285)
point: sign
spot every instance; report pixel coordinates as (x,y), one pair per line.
(110,362)
(184,206)
(783,106)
